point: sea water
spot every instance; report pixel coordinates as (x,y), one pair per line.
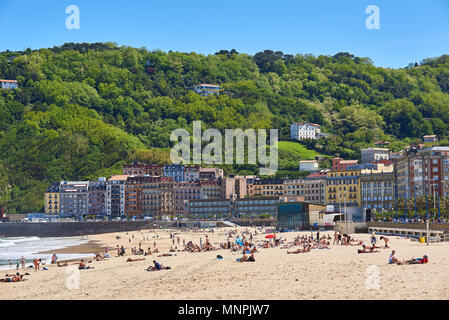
(14,248)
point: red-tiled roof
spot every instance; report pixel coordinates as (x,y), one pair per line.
(2,80)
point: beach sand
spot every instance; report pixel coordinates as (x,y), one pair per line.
(336,273)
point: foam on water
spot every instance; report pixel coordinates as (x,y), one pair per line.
(28,247)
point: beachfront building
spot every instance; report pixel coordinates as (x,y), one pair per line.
(97,198)
(377,190)
(374,154)
(183,193)
(343,188)
(313,190)
(210,189)
(205,89)
(304,130)
(255,207)
(51,199)
(158,196)
(133,196)
(421,171)
(308,165)
(209,208)
(175,171)
(293,215)
(338,164)
(115,188)
(9,84)
(73,197)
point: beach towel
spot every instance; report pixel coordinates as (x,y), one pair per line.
(44,268)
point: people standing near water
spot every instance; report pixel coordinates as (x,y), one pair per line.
(22,261)
(17,264)
(10,264)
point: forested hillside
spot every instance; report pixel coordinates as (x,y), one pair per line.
(82,110)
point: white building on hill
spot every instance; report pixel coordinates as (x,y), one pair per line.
(304,130)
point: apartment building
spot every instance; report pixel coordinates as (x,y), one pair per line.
(175,171)
(115,188)
(73,197)
(343,188)
(210,189)
(338,164)
(51,199)
(133,196)
(97,198)
(158,196)
(183,193)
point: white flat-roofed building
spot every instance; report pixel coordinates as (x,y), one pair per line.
(9,84)
(205,89)
(304,130)
(308,165)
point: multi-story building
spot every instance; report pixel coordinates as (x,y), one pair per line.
(233,187)
(343,188)
(9,84)
(308,165)
(133,196)
(205,89)
(210,208)
(211,173)
(268,187)
(74,198)
(421,171)
(338,164)
(158,196)
(97,198)
(374,154)
(304,130)
(183,193)
(254,207)
(192,173)
(210,189)
(175,171)
(377,189)
(137,169)
(51,199)
(115,188)
(313,190)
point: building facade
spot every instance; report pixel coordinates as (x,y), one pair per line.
(175,171)
(9,84)
(304,130)
(308,165)
(97,198)
(115,188)
(74,198)
(374,154)
(343,188)
(52,199)
(205,89)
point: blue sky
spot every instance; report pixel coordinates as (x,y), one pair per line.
(410,30)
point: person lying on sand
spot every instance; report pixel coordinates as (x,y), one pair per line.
(65,264)
(422,260)
(165,255)
(15,278)
(133,260)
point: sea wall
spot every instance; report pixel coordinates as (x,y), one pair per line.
(70,229)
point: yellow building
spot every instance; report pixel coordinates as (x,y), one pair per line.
(343,188)
(51,199)
(268,187)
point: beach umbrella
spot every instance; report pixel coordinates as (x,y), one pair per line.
(269,236)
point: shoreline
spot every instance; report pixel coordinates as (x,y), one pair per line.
(92,246)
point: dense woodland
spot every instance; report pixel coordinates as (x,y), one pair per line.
(83,110)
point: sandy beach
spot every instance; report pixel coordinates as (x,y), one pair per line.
(336,273)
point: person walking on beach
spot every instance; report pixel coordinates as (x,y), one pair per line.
(22,261)
(335,237)
(10,264)
(201,242)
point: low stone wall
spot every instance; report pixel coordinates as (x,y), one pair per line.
(418,226)
(69,229)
